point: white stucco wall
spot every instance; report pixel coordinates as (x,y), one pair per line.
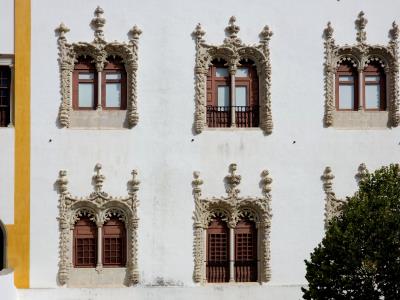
(163,148)
(7,26)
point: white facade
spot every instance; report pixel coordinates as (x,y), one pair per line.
(165,151)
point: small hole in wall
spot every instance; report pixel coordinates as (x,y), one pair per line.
(294,142)
(192,140)
(50,140)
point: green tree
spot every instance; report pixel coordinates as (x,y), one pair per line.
(359,257)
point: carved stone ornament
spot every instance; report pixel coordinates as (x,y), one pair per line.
(99,206)
(98,50)
(360,55)
(232,208)
(333,205)
(233,50)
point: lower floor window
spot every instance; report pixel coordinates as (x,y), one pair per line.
(220,249)
(114,243)
(85,238)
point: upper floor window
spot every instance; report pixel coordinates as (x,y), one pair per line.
(5,96)
(232,100)
(112,83)
(361,81)
(114,243)
(103,77)
(233,82)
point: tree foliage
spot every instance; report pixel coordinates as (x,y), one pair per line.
(359,257)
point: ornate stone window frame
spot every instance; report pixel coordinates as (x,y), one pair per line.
(232,208)
(99,49)
(99,206)
(333,205)
(360,54)
(233,50)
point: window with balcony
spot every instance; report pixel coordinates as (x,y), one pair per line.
(232,100)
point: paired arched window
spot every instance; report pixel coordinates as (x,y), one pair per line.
(364,90)
(113,248)
(112,94)
(232,100)
(220,249)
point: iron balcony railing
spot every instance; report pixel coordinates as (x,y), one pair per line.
(221,116)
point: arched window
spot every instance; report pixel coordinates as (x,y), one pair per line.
(2,246)
(374,87)
(85,243)
(114,243)
(217,267)
(245,251)
(114,84)
(346,87)
(225,108)
(84,84)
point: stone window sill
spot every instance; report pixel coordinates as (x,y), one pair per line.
(98,119)
(361,119)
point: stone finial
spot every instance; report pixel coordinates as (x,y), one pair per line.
(266,182)
(232,30)
(361,23)
(134,182)
(196,183)
(233,180)
(199,33)
(62,182)
(362,172)
(394,32)
(98,178)
(62,30)
(327,178)
(328,31)
(98,23)
(265,35)
(135,32)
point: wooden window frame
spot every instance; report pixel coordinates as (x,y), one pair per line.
(77,237)
(5,116)
(84,67)
(114,67)
(346,70)
(373,70)
(122,236)
(220,228)
(244,226)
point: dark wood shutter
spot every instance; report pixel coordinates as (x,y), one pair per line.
(217,267)
(245,251)
(5,88)
(85,243)
(114,243)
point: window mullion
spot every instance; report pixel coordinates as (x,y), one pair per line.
(99,246)
(231,254)
(233,99)
(99,86)
(361,94)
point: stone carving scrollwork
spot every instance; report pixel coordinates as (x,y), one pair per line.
(99,49)
(233,50)
(99,207)
(232,208)
(333,205)
(360,55)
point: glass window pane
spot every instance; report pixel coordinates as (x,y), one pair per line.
(371,78)
(113,76)
(346,96)
(372,96)
(221,72)
(223,96)
(241,95)
(346,78)
(242,72)
(87,76)
(113,95)
(86,94)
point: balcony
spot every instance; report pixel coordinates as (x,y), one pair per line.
(221,116)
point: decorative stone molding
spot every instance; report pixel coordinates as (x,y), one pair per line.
(233,50)
(99,206)
(99,49)
(333,205)
(360,55)
(232,208)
